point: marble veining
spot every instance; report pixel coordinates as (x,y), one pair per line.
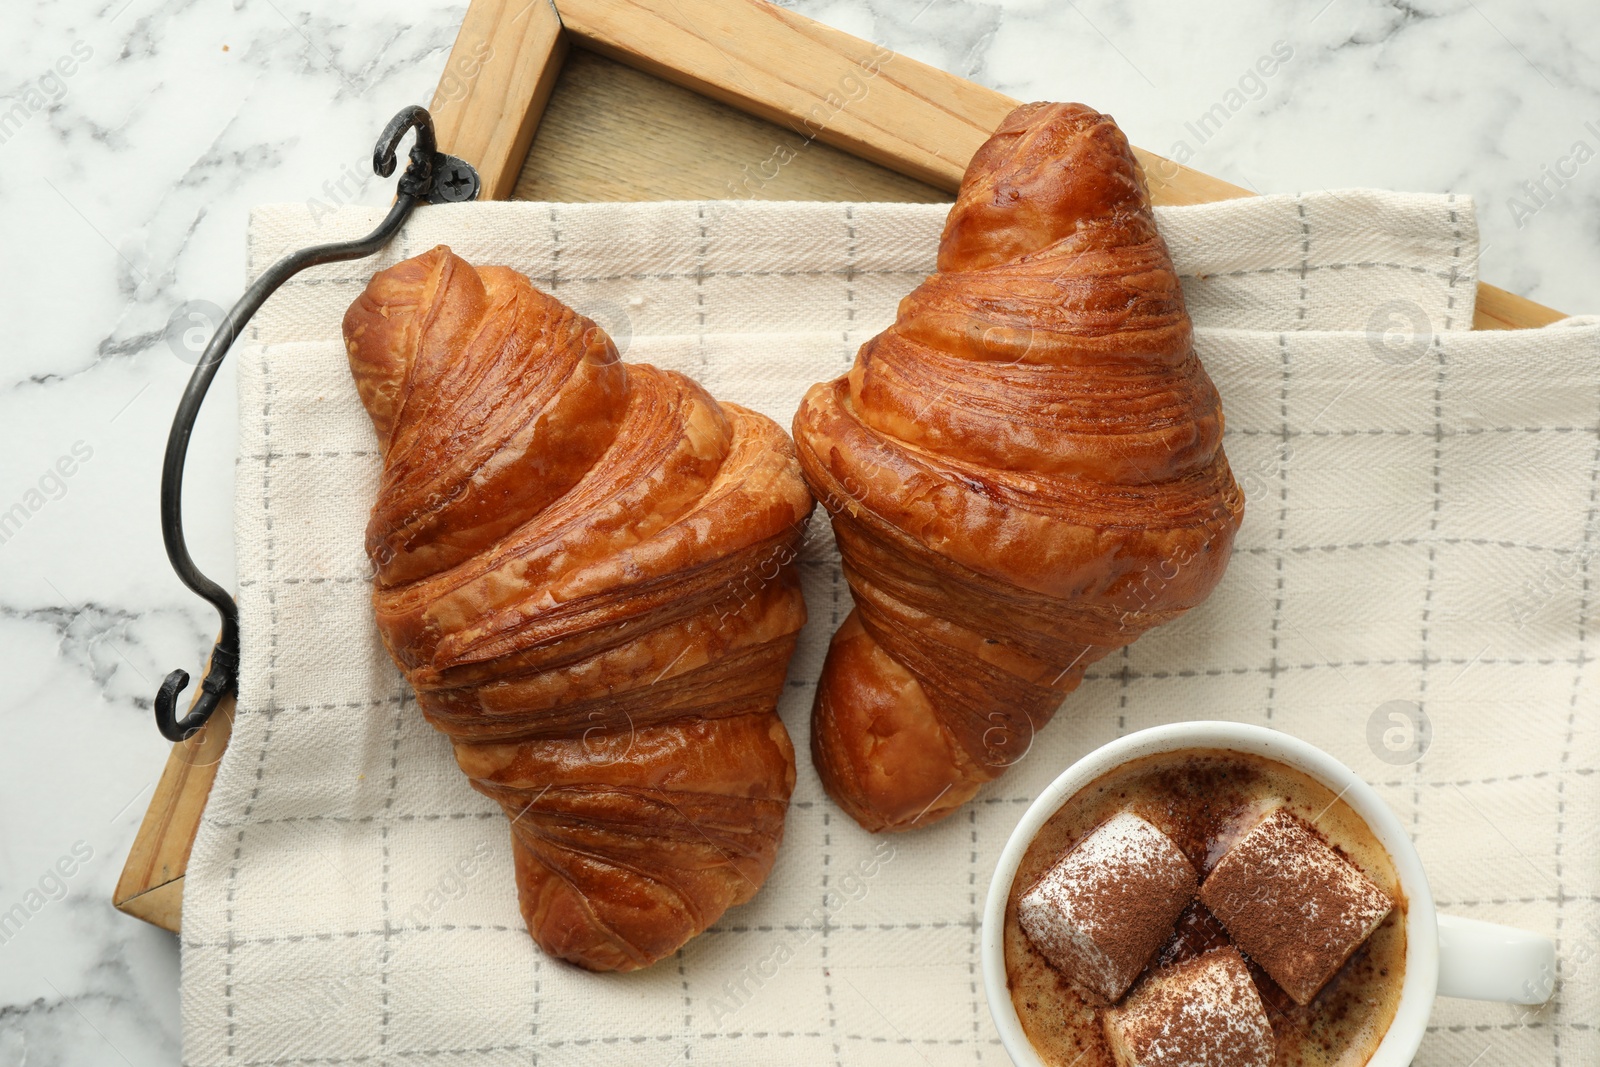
(136,134)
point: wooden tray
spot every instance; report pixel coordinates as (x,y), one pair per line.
(676,100)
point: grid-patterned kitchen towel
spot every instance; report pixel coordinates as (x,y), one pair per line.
(1419,530)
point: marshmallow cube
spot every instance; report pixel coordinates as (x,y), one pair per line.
(1104,908)
(1293,904)
(1204,1012)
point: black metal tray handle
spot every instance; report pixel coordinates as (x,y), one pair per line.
(430,177)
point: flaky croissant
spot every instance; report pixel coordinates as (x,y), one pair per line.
(585,570)
(1024,473)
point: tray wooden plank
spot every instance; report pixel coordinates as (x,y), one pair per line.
(818,81)
(1499,309)
(688,93)
(151,886)
(613,132)
(501,71)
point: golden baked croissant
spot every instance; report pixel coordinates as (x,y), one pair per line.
(1024,473)
(585,570)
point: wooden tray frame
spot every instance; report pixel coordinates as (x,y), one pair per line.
(793,72)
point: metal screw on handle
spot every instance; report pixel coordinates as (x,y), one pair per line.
(454,182)
(430,176)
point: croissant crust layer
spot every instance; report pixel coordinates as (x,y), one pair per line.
(1024,473)
(584,568)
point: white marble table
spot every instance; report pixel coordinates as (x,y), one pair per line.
(136,135)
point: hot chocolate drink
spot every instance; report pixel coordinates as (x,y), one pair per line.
(1304,861)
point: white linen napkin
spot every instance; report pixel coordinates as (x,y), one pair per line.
(1421,505)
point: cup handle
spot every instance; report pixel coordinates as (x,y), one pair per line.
(1486,961)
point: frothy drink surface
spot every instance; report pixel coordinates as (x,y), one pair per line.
(1205,800)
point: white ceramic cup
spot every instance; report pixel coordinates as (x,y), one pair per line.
(1445,956)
